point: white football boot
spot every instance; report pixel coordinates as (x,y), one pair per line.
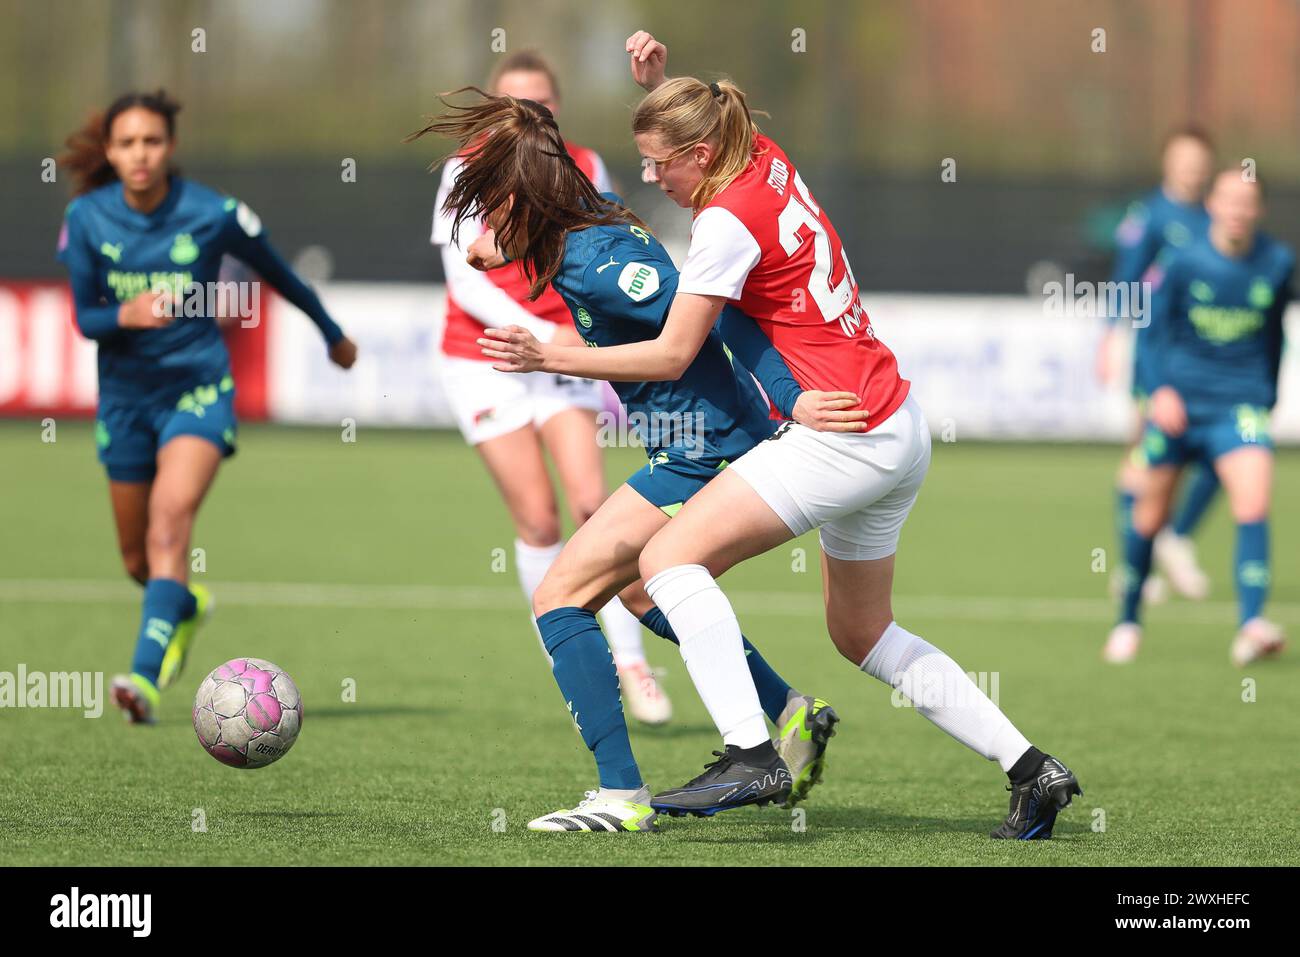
(1258,638)
(598,814)
(1176,556)
(646,701)
(1122,645)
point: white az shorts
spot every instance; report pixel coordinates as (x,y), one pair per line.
(857,487)
(488,403)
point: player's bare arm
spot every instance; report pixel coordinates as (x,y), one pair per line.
(663,359)
(649,60)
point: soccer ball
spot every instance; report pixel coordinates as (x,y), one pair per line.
(247,713)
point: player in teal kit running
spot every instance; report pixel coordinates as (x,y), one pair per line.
(618,283)
(1212,357)
(143,249)
(1169,218)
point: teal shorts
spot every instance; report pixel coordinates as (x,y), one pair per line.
(1207,439)
(129,435)
(670,478)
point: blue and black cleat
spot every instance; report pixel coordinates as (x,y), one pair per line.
(1036,802)
(738,778)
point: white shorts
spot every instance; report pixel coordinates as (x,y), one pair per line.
(488,403)
(857,487)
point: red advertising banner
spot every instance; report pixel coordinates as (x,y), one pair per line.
(48,368)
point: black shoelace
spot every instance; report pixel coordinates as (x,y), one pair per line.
(722,761)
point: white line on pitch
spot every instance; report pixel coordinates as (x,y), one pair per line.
(489,599)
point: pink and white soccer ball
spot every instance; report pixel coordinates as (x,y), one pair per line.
(247,713)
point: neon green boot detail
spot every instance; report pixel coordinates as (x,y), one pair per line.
(178,649)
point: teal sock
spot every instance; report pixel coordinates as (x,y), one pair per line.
(584,669)
(166,604)
(1201,490)
(1137,566)
(772,688)
(1123,514)
(1253,574)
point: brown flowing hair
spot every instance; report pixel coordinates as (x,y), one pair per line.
(513,147)
(85,157)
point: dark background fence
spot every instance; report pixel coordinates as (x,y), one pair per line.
(902,233)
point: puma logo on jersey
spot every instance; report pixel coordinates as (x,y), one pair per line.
(601,269)
(778,177)
(112,252)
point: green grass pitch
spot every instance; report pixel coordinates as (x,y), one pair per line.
(374,562)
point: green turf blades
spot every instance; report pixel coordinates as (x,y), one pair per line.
(339,564)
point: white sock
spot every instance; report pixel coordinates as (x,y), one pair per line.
(713,650)
(532,561)
(944,694)
(624,634)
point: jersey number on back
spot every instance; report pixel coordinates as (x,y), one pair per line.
(834,302)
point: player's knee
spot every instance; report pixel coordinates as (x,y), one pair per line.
(538,527)
(635,600)
(1146,525)
(655,557)
(550,595)
(1149,517)
(1130,477)
(169,528)
(164,539)
(854,639)
(582,509)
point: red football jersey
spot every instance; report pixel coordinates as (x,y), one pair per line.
(462,329)
(764,243)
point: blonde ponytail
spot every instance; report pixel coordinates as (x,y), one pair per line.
(685,111)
